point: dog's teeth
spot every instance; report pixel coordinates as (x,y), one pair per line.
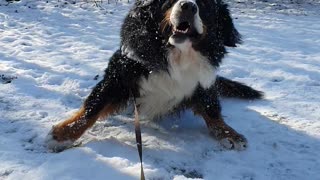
(185,31)
(175,30)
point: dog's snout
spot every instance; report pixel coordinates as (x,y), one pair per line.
(188,7)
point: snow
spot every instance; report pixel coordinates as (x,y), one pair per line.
(56,51)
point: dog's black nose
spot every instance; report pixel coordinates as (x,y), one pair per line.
(189,7)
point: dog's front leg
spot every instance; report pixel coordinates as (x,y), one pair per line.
(106,98)
(206,104)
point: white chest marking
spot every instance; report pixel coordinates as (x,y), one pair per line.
(162,91)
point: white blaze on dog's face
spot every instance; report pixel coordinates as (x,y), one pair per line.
(185,21)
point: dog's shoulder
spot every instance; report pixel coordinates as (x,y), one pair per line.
(141,39)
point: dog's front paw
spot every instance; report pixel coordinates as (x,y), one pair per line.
(234,141)
(229,138)
(55,144)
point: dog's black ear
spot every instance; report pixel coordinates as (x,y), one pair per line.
(231,37)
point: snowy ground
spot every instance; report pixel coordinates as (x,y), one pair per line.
(56,50)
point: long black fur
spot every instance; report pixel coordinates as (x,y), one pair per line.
(143,50)
(234,89)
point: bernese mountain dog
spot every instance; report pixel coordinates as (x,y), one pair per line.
(167,62)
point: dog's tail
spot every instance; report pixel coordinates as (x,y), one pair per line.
(233,89)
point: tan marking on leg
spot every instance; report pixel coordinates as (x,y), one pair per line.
(221,131)
(74,127)
(219,128)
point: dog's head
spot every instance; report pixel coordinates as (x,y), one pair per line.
(182,21)
(194,19)
(153,24)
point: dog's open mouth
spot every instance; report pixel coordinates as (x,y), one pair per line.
(182,28)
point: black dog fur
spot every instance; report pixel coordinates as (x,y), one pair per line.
(143,51)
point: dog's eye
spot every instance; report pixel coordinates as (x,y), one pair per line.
(167,5)
(202,3)
(206,8)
